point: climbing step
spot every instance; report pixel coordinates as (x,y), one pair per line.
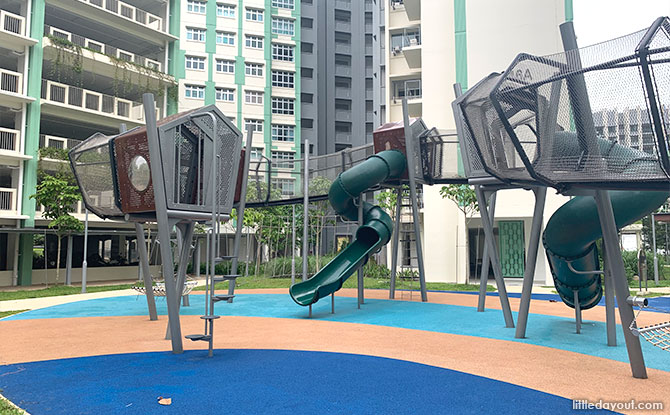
(220,278)
(222,297)
(199,337)
(211,317)
(220,259)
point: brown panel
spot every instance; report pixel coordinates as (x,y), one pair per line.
(126,147)
(391,136)
(240,176)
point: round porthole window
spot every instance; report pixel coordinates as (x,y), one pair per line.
(139,173)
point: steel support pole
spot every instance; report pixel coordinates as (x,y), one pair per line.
(616,267)
(146,271)
(578,311)
(486,258)
(196,258)
(531,261)
(305,219)
(409,148)
(292,244)
(361,288)
(610,308)
(240,212)
(495,262)
(185,235)
(68,261)
(84,264)
(395,244)
(653,242)
(163,223)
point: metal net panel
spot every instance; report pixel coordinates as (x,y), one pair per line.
(579,117)
(92,165)
(441,157)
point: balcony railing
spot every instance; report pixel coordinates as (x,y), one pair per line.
(129,12)
(11,81)
(102,48)
(9,139)
(12,23)
(57,142)
(7,199)
(92,101)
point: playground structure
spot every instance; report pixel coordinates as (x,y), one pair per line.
(530,127)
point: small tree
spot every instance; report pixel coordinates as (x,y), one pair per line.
(57,197)
(465,198)
(318,212)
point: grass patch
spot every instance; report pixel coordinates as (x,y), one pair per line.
(57,290)
(6,408)
(9,313)
(649,294)
(651,283)
(253,282)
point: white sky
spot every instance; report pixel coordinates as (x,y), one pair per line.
(599,20)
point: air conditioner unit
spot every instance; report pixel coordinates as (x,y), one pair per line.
(396,50)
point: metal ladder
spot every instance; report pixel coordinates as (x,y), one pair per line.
(407,236)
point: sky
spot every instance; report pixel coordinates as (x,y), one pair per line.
(599,20)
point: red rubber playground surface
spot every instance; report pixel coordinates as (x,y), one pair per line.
(105,356)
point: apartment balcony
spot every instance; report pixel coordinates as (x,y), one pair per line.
(343,4)
(413,9)
(102,59)
(10,142)
(121,16)
(8,201)
(342,115)
(13,32)
(342,26)
(344,48)
(342,92)
(78,104)
(342,70)
(11,89)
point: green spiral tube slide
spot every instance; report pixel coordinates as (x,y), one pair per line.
(571,234)
(375,232)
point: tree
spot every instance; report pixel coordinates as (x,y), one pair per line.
(318,213)
(465,198)
(662,238)
(58,197)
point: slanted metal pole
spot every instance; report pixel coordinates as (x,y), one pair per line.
(495,262)
(531,261)
(616,267)
(292,244)
(578,311)
(361,288)
(332,303)
(163,223)
(609,302)
(409,148)
(68,261)
(146,271)
(486,258)
(305,219)
(396,243)
(653,241)
(84,264)
(240,212)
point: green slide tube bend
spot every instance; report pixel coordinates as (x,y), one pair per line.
(571,234)
(375,232)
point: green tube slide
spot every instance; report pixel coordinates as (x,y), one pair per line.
(571,233)
(370,237)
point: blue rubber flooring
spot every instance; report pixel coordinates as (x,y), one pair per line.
(261,382)
(543,330)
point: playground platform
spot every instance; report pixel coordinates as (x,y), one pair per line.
(103,355)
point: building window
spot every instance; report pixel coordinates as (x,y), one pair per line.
(225,94)
(281,52)
(283,4)
(225,10)
(283,159)
(195,63)
(256,154)
(286,186)
(307,98)
(255,15)
(253,97)
(307,47)
(285,106)
(255,42)
(306,23)
(195,34)
(225,66)
(282,132)
(307,123)
(225,38)
(194,6)
(283,26)
(307,73)
(194,91)
(253,69)
(283,79)
(255,125)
